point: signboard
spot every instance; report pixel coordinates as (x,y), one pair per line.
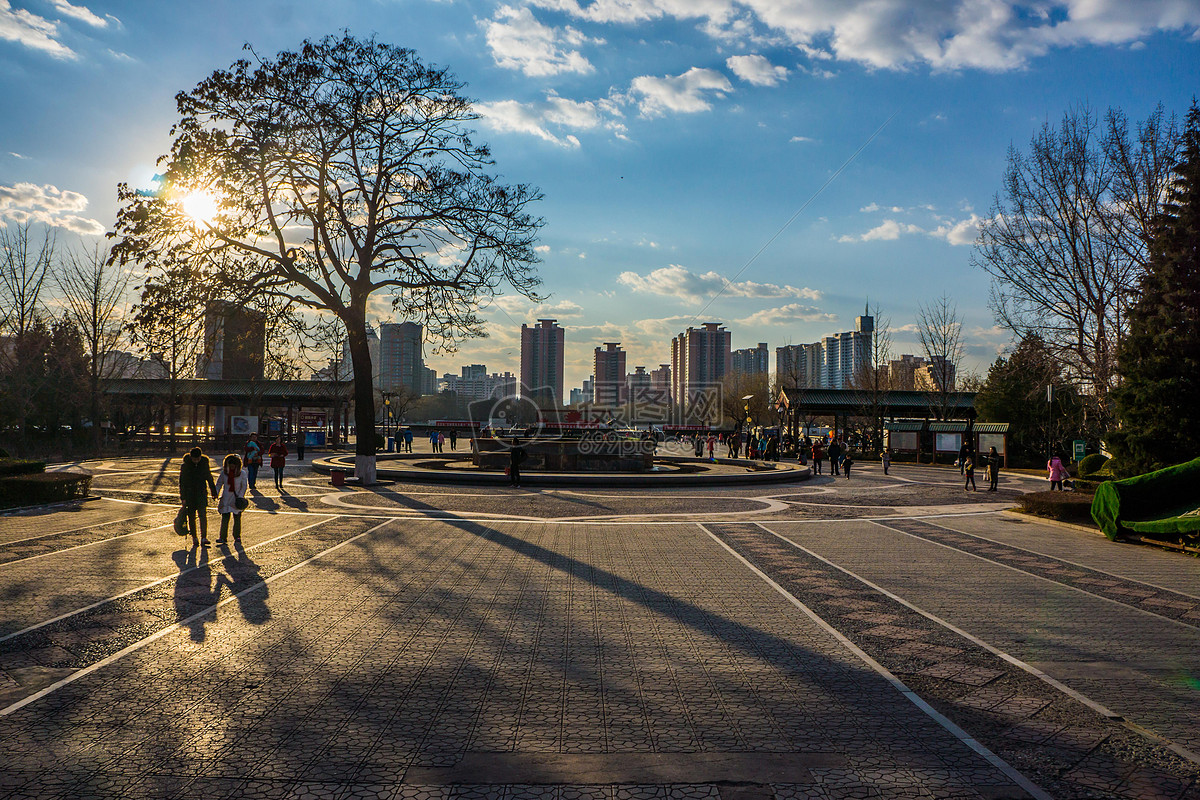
(902,440)
(1079,449)
(311,419)
(990,440)
(949,442)
(243,426)
(314,438)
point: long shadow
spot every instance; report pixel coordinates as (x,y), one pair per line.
(193,589)
(242,573)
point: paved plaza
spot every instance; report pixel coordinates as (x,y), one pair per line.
(877,637)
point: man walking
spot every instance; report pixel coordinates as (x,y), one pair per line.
(252,458)
(835,457)
(515,457)
(195,484)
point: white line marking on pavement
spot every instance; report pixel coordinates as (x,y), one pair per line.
(1099,708)
(1003,766)
(81,546)
(1066,561)
(88,670)
(1057,583)
(207,562)
(77,530)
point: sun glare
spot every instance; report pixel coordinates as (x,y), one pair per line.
(200,205)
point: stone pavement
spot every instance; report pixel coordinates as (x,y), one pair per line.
(835,639)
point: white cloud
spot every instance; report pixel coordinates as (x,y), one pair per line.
(27,202)
(787,315)
(891,34)
(963,232)
(801,139)
(677,281)
(519,41)
(79,12)
(521,309)
(32,31)
(538,118)
(886,231)
(756,70)
(681,94)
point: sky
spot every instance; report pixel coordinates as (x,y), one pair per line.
(773,165)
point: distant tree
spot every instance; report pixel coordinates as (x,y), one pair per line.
(25,265)
(1068,236)
(735,387)
(336,172)
(93,294)
(1156,403)
(1015,392)
(939,330)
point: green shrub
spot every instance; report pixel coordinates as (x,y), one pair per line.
(1091,463)
(21,466)
(1065,506)
(43,487)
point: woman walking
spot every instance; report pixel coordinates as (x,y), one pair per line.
(278,452)
(234,482)
(252,458)
(886,458)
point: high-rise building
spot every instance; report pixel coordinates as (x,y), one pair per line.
(234,343)
(902,371)
(700,359)
(475,384)
(798,365)
(542,362)
(751,360)
(609,374)
(660,381)
(935,375)
(400,360)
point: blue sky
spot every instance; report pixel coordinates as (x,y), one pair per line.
(672,139)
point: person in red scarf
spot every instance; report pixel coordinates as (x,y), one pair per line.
(234,482)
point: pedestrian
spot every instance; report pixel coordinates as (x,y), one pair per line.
(515,456)
(453,439)
(698,443)
(300,446)
(195,485)
(712,443)
(433,434)
(773,448)
(963,453)
(818,453)
(408,439)
(252,458)
(278,452)
(1057,471)
(993,459)
(969,471)
(835,456)
(886,458)
(847,463)
(232,498)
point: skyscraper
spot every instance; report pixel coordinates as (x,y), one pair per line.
(542,362)
(700,358)
(234,343)
(798,365)
(752,360)
(832,363)
(400,360)
(609,372)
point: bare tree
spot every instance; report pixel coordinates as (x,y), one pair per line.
(1068,235)
(939,330)
(24,266)
(93,294)
(333,173)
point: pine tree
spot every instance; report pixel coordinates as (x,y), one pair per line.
(1158,402)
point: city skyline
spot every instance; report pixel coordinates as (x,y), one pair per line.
(769,165)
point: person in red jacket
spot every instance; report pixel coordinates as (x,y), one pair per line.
(278,452)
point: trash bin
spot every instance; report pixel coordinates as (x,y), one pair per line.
(337,477)
(391,444)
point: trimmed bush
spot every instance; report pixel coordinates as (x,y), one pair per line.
(43,487)
(21,466)
(1091,463)
(1064,506)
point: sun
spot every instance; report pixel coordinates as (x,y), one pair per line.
(200,205)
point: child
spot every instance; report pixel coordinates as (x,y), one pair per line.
(847,462)
(969,469)
(234,483)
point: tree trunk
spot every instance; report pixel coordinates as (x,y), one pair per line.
(364,396)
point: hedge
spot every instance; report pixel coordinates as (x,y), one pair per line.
(1091,463)
(1064,506)
(42,488)
(21,466)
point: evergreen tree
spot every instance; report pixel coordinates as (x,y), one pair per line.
(1158,402)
